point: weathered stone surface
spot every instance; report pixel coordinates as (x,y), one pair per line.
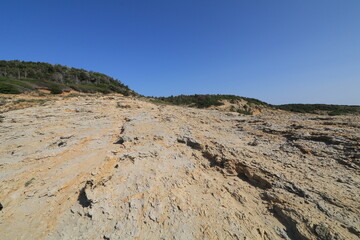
(121,168)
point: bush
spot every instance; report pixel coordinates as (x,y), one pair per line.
(244,112)
(55,90)
(8,89)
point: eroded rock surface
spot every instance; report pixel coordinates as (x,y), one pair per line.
(119,168)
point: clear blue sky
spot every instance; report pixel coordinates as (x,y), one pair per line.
(279,51)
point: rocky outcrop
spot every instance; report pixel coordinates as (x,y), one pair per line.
(118,168)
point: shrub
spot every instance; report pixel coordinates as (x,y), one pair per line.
(55,90)
(8,89)
(244,112)
(29,182)
(331,110)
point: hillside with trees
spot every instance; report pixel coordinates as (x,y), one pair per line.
(20,76)
(207,100)
(328,109)
(247,106)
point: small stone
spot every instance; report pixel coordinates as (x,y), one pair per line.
(118,226)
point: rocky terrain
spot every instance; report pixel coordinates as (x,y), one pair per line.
(113,167)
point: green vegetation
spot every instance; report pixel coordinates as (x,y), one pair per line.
(331,110)
(29,182)
(55,90)
(8,88)
(204,101)
(19,76)
(244,112)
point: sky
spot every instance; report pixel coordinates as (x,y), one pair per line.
(278,51)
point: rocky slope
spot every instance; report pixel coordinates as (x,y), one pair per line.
(111,167)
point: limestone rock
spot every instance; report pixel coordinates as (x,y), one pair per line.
(111,167)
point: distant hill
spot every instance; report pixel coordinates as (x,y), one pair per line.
(231,103)
(251,106)
(328,109)
(19,76)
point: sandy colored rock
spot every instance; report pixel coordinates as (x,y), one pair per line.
(111,167)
